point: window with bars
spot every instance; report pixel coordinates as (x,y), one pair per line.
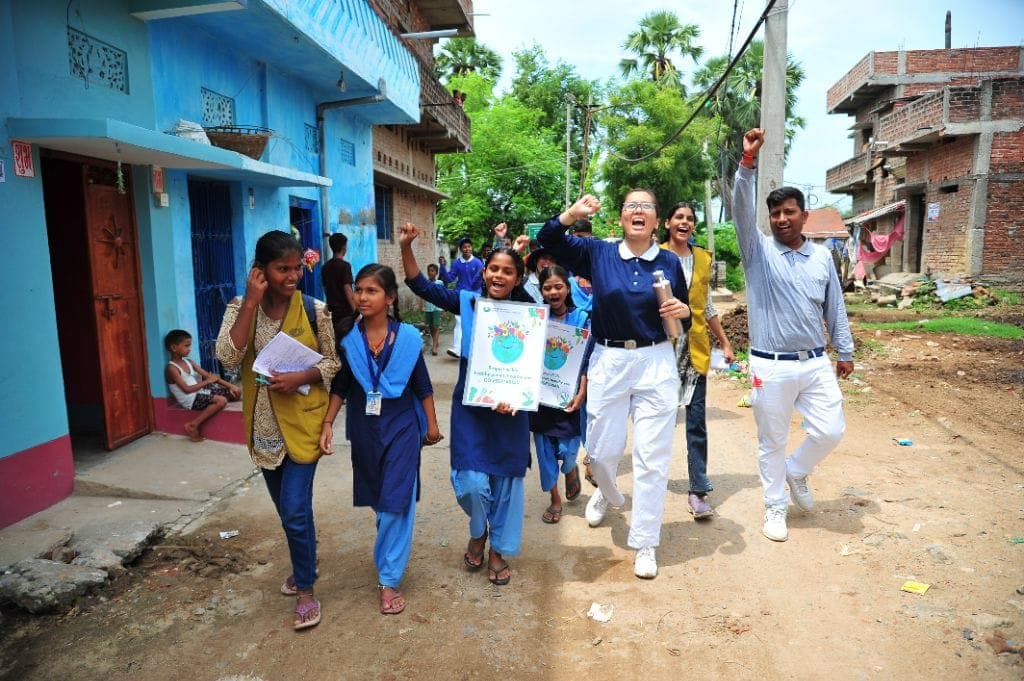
(382,199)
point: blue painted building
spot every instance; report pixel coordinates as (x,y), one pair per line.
(119,226)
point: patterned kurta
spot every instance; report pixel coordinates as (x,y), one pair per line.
(268,447)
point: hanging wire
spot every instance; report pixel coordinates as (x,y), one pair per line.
(707,95)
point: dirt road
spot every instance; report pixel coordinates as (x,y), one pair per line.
(727,603)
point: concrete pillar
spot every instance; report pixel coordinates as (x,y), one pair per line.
(771,159)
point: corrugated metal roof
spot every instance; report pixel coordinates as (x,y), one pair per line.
(875,213)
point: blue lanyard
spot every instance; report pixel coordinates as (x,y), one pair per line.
(376,369)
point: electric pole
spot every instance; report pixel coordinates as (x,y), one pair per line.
(569,99)
(771,159)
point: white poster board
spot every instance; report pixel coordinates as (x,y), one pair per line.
(506,354)
(563,355)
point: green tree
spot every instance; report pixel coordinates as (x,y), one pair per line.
(540,85)
(514,173)
(738,105)
(640,117)
(462,56)
(659,38)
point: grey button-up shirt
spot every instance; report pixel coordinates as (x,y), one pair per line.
(789,292)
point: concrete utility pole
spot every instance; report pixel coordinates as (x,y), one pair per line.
(568,138)
(773,109)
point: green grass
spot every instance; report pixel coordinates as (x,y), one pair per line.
(962,326)
(870,346)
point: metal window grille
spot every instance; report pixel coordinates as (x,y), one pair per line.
(95,61)
(346,151)
(383,204)
(312,139)
(218,109)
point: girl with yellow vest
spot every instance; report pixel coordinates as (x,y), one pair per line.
(283,424)
(696,263)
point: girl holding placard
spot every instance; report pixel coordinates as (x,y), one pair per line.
(490,448)
(556,432)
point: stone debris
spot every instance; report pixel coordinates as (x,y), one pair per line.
(984,620)
(39,585)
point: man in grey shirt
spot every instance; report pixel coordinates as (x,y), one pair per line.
(792,288)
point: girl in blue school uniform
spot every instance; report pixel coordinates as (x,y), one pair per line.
(556,432)
(390,415)
(490,448)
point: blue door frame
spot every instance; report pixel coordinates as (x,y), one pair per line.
(305,219)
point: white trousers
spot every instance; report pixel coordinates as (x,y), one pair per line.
(643,383)
(779,386)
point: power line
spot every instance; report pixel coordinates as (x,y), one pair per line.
(707,95)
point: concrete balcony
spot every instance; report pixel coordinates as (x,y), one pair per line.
(441,14)
(443,126)
(864,83)
(850,176)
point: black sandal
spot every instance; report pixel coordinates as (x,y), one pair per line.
(473,567)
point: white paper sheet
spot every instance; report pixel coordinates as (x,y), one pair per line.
(284,354)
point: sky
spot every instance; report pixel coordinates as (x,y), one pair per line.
(827,37)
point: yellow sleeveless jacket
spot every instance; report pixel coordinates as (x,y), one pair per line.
(298,416)
(700,342)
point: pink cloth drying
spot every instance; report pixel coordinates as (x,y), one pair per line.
(881,243)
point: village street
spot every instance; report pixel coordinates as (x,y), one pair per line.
(727,602)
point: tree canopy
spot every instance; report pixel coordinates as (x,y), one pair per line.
(462,56)
(514,174)
(660,37)
(640,117)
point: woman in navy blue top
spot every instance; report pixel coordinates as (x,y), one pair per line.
(490,448)
(632,368)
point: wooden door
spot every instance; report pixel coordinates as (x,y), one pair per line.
(117,306)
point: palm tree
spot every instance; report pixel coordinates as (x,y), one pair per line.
(659,37)
(738,104)
(460,56)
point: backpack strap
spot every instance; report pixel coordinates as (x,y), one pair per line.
(309,303)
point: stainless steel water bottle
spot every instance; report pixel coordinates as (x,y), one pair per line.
(663,291)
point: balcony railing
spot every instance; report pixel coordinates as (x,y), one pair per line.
(849,176)
(443,126)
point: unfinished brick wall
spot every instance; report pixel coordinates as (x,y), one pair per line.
(412,207)
(964,104)
(1008,98)
(951,160)
(966,60)
(945,241)
(1008,153)
(393,150)
(1003,257)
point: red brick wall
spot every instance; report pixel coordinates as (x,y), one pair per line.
(967,60)
(952,160)
(1008,153)
(945,241)
(1003,257)
(886,62)
(1008,98)
(964,104)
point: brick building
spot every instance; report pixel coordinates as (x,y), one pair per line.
(938,139)
(404,173)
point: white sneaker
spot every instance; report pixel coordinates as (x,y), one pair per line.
(775,522)
(800,491)
(597,507)
(645,566)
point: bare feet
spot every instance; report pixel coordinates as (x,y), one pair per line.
(192,430)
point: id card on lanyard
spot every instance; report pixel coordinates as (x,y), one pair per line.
(374,399)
